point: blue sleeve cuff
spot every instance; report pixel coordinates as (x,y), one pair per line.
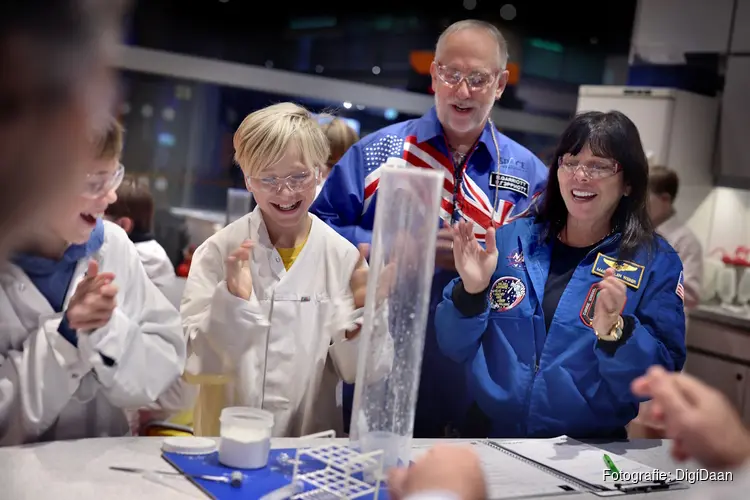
(610,347)
(67,332)
(71,336)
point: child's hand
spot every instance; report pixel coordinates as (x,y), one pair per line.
(239,280)
(94,300)
(358,282)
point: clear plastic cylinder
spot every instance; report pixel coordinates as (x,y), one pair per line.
(402,264)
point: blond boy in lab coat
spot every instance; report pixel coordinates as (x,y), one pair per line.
(267,299)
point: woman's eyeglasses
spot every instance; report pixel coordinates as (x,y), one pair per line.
(295,182)
(477,80)
(592,170)
(99,184)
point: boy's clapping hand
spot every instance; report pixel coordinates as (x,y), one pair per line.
(239,280)
(94,300)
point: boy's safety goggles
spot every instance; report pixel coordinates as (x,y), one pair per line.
(295,182)
(98,185)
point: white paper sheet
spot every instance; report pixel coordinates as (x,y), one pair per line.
(577,459)
(510,478)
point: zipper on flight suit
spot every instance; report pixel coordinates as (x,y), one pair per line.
(537,360)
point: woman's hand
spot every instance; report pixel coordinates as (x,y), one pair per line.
(610,302)
(474,264)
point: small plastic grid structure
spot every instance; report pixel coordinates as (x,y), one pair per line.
(337,479)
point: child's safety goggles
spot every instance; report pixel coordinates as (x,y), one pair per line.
(98,185)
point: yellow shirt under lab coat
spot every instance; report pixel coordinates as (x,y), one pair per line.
(280,350)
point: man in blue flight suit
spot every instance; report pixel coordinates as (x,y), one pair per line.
(490,180)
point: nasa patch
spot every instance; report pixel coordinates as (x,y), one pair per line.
(515,259)
(506,293)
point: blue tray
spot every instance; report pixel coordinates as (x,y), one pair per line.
(255,484)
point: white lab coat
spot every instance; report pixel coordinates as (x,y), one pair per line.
(156,263)
(689,249)
(50,389)
(279,350)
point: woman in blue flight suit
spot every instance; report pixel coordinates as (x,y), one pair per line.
(556,318)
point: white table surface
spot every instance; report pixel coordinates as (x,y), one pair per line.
(79,470)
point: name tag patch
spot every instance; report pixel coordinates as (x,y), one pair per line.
(587,311)
(506,293)
(510,183)
(628,272)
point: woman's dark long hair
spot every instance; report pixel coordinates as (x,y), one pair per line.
(608,135)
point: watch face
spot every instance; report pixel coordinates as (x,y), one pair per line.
(612,335)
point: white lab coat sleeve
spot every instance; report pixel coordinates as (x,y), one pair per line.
(37,381)
(220,327)
(156,263)
(143,339)
(179,397)
(691,254)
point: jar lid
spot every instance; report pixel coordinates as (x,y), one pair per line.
(188,445)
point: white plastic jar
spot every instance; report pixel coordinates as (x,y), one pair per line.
(245,437)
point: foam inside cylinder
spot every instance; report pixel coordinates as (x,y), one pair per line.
(402,264)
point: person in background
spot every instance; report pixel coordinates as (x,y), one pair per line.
(663,187)
(341,136)
(489,181)
(558,314)
(263,296)
(134,212)
(85,334)
(56,87)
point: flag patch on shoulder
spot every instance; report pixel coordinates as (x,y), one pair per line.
(681,287)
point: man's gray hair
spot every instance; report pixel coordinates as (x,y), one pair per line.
(502,44)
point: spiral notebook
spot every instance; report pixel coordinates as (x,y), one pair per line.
(508,477)
(566,463)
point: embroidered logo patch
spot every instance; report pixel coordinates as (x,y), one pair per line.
(510,183)
(506,293)
(515,260)
(589,304)
(681,287)
(628,272)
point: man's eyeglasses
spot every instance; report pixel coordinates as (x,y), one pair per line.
(99,184)
(477,80)
(593,170)
(295,182)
